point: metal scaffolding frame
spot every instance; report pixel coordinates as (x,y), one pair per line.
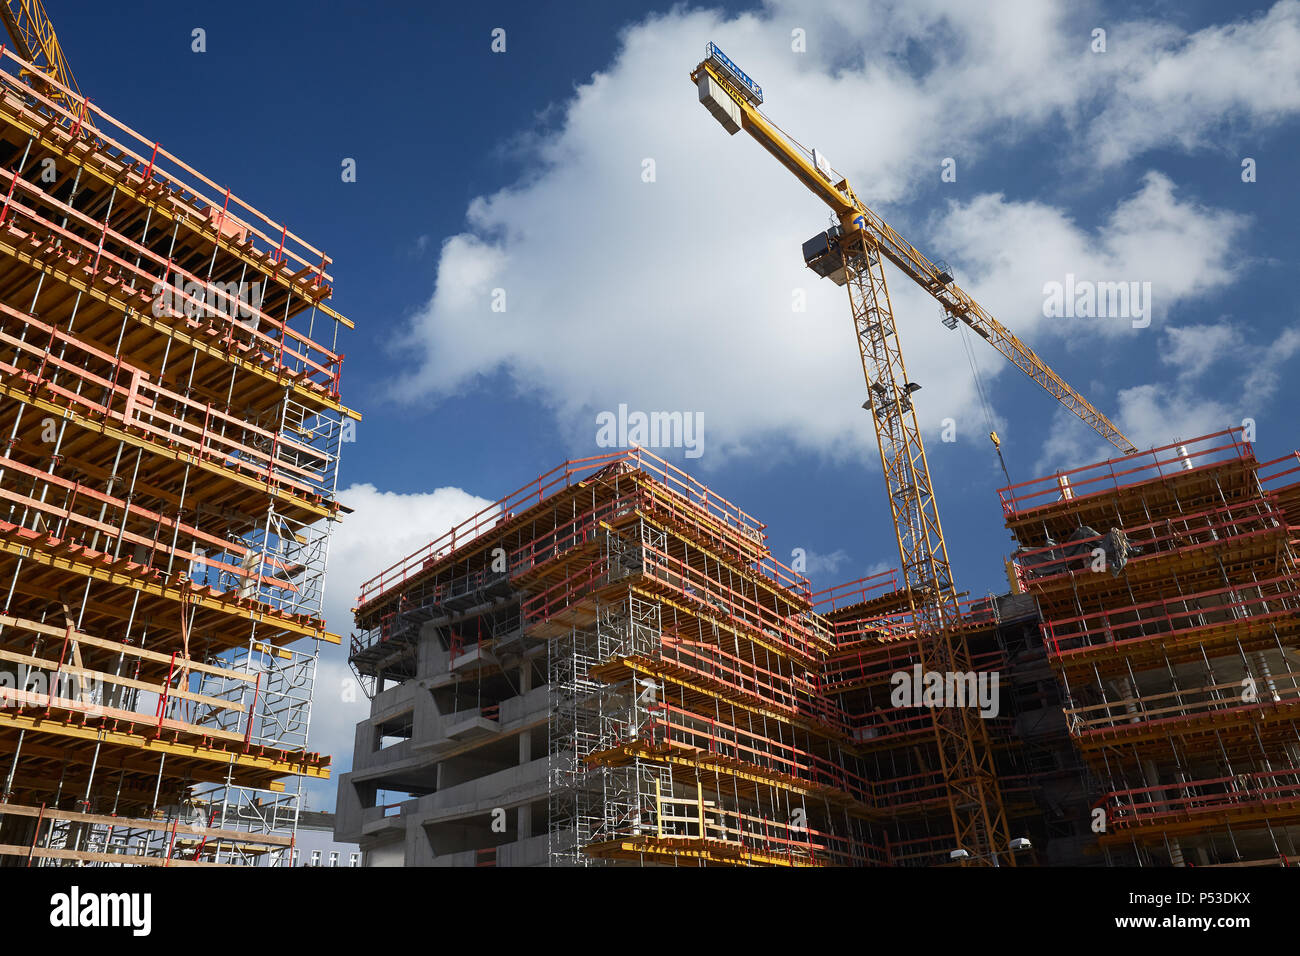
(170,432)
(1168,585)
(703,710)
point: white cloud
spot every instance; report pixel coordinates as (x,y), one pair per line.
(383,528)
(818,566)
(1177,245)
(676,295)
(1192,349)
(1188,91)
(1157,414)
(1152,414)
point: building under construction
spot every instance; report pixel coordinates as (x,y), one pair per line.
(609,666)
(703,706)
(171,425)
(1167,588)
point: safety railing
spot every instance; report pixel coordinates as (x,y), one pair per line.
(682,818)
(166,293)
(751,552)
(158,699)
(564,594)
(676,727)
(1263,691)
(122,145)
(846,670)
(1264,792)
(1114,473)
(803,634)
(552,482)
(1281,472)
(1277,597)
(855,592)
(912,791)
(1181,534)
(972,612)
(795,694)
(125,394)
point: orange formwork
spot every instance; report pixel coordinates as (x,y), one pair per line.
(1168,582)
(703,699)
(172,425)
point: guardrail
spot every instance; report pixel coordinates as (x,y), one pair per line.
(1114,473)
(124,145)
(552,482)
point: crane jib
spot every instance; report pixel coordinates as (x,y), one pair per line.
(747,87)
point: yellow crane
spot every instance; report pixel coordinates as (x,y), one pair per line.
(34,40)
(852,254)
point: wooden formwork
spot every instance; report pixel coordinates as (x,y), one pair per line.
(1180,667)
(171,424)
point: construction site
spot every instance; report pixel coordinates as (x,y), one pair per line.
(172,425)
(609,666)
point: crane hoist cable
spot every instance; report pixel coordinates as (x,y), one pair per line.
(985,404)
(975,374)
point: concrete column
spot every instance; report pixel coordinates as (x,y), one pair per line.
(1174,845)
(525,750)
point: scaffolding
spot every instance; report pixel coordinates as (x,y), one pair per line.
(171,430)
(706,708)
(1168,587)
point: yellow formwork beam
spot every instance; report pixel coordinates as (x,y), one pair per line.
(168,592)
(646,665)
(721,856)
(23,252)
(40,724)
(20,394)
(774,590)
(777,783)
(753,636)
(155,199)
(137,823)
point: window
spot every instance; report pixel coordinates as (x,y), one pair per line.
(315,857)
(334,858)
(293,857)
(354,859)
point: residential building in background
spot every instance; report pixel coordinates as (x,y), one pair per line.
(316,846)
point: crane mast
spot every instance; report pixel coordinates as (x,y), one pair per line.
(965,752)
(852,254)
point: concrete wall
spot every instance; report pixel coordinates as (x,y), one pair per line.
(476,775)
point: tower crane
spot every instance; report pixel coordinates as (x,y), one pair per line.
(852,254)
(35,41)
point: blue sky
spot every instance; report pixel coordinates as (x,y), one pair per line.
(523,170)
